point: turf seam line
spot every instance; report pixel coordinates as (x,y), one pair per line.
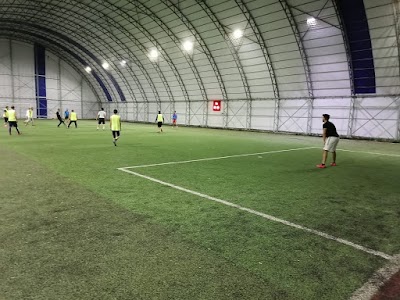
(217,158)
(266,216)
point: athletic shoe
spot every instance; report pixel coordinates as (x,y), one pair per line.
(115,143)
(321,166)
(333,164)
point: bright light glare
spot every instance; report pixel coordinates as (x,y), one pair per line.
(88,69)
(188,45)
(154,53)
(237,34)
(311,21)
(123,63)
(105,65)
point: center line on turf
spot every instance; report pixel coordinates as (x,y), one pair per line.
(263,215)
(217,158)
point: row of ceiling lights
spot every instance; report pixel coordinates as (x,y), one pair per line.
(188,46)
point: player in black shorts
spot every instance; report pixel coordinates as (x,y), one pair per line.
(160,120)
(59,118)
(5,116)
(101,117)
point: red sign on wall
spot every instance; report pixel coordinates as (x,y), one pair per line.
(217,105)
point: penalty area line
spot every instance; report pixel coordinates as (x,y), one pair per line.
(263,215)
(217,158)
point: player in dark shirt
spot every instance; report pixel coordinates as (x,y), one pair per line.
(331,140)
(59,118)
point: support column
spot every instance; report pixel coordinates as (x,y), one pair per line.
(353,100)
(12,74)
(59,86)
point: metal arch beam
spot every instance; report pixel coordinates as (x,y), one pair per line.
(145,10)
(143,49)
(41,13)
(67,12)
(62,41)
(59,38)
(263,44)
(42,38)
(233,51)
(350,70)
(72,62)
(155,64)
(54,45)
(290,17)
(123,78)
(185,21)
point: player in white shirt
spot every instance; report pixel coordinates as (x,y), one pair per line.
(101,117)
(29,116)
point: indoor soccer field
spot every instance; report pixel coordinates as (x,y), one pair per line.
(191,213)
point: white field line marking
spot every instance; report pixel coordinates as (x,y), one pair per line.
(217,158)
(373,153)
(263,215)
(378,279)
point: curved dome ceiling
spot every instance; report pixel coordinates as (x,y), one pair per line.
(192,50)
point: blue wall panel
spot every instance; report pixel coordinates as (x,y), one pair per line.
(357,31)
(40,81)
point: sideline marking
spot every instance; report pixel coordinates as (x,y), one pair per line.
(217,158)
(378,279)
(373,153)
(263,215)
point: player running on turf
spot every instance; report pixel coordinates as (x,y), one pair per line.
(115,126)
(331,140)
(66,115)
(101,116)
(12,120)
(160,120)
(59,118)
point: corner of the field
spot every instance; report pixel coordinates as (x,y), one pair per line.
(378,279)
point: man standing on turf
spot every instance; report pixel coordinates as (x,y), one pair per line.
(115,126)
(59,118)
(160,120)
(73,118)
(331,140)
(101,116)
(12,120)
(5,116)
(174,119)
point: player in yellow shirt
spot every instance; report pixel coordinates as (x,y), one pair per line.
(160,120)
(12,120)
(115,126)
(73,118)
(5,116)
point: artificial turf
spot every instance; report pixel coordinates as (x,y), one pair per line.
(75,227)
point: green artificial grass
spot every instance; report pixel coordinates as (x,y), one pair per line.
(75,227)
